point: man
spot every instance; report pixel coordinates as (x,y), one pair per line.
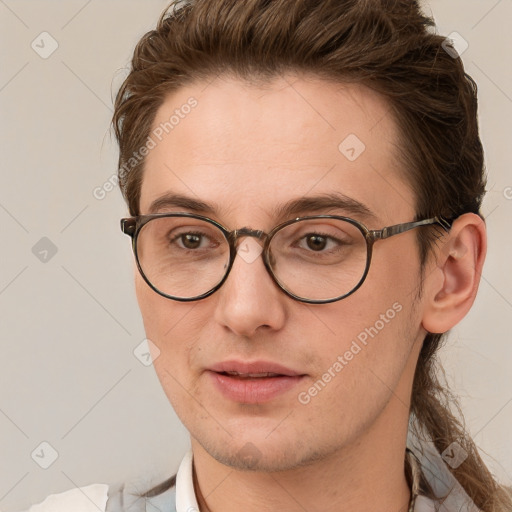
(304,181)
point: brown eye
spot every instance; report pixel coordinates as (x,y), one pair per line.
(316,242)
(190,240)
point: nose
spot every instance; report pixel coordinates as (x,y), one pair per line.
(249,300)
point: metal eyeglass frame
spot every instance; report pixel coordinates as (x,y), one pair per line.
(131,226)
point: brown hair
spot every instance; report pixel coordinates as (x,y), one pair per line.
(387,45)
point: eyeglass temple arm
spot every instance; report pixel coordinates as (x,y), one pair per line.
(380,234)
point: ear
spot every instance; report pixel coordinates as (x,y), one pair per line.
(452,280)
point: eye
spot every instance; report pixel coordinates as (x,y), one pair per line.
(317,241)
(192,240)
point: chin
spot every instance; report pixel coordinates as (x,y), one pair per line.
(258,451)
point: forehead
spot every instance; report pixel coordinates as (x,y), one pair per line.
(249,148)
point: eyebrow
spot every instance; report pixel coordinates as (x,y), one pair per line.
(310,204)
(322,203)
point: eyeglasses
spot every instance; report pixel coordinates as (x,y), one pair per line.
(314,259)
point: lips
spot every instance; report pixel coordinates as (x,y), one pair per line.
(253,382)
(256,368)
(251,375)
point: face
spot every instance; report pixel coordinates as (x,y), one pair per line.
(316,377)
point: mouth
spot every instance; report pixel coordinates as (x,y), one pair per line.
(253,382)
(251,375)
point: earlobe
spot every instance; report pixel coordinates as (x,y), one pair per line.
(460,260)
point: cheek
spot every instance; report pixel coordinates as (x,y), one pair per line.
(161,318)
(365,334)
(388,321)
(395,268)
(371,335)
(173,328)
(150,306)
(361,368)
(159,314)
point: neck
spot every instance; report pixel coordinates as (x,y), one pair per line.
(366,476)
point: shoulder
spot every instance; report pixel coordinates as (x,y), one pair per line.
(81,499)
(133,497)
(424,504)
(119,497)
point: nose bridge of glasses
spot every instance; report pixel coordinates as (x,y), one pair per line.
(243,232)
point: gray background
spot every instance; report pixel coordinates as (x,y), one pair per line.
(69,320)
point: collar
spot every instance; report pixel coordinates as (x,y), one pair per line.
(186,498)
